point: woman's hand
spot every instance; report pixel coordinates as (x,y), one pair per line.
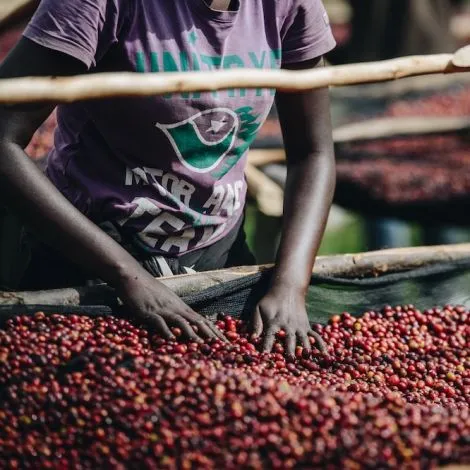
(152,303)
(283,308)
(308,195)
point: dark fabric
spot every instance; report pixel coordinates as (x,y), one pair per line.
(234,5)
(14,252)
(231,251)
(49,270)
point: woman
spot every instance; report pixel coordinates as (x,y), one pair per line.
(158,183)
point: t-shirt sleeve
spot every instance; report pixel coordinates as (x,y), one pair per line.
(306,33)
(84,29)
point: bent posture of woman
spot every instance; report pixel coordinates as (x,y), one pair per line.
(137,188)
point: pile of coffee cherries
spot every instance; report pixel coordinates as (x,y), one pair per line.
(392,391)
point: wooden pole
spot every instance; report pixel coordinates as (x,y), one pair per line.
(391,128)
(108,85)
(349,266)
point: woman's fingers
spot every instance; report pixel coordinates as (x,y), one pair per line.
(186,329)
(269,338)
(321,345)
(209,330)
(304,341)
(257,323)
(217,332)
(291,341)
(161,327)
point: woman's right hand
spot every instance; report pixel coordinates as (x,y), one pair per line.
(155,305)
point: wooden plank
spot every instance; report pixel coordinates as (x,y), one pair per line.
(9,6)
(391,128)
(456,467)
(107,85)
(339,11)
(350,266)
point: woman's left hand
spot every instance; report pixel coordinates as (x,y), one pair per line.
(283,308)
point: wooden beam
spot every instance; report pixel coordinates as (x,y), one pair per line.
(349,266)
(456,467)
(392,128)
(108,85)
(260,157)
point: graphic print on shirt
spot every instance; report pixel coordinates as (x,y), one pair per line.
(210,142)
(202,141)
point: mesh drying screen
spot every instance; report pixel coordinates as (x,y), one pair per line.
(424,287)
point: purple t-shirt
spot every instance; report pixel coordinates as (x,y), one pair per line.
(168,171)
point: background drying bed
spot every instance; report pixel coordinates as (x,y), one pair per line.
(100,392)
(420,178)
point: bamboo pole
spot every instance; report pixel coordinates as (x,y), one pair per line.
(391,128)
(108,85)
(348,266)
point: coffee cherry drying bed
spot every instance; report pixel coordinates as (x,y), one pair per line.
(83,387)
(423,179)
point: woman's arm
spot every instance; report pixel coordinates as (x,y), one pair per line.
(306,125)
(58,222)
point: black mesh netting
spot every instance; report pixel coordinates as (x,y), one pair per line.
(425,287)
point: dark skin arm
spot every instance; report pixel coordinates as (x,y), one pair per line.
(307,131)
(60,224)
